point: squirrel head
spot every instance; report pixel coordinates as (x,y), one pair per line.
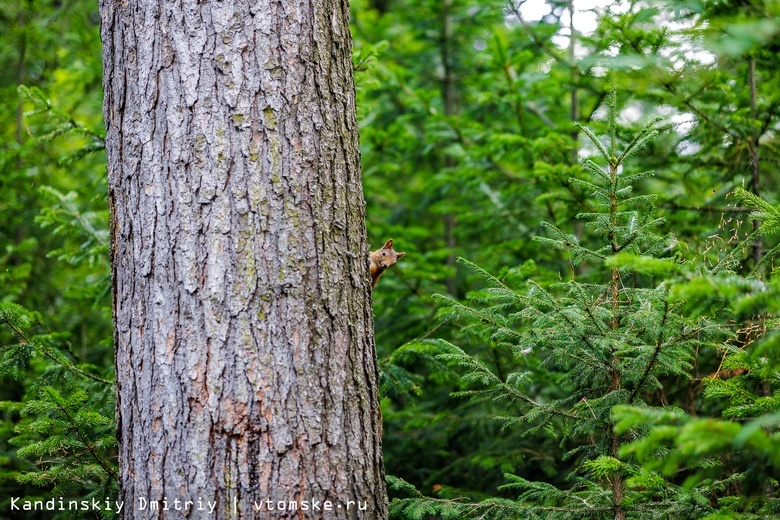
(386,257)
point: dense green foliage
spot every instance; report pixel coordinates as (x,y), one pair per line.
(57,403)
(607,345)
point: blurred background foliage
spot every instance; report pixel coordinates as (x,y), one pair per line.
(467,111)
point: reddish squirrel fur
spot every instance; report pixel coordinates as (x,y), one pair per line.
(381,259)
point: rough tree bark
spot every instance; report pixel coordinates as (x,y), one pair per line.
(245,358)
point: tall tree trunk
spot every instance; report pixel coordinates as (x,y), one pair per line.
(245,354)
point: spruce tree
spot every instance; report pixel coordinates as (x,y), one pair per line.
(610,338)
(729,458)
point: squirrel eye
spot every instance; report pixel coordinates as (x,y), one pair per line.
(384,253)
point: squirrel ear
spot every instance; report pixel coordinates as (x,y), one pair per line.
(399,255)
(388,244)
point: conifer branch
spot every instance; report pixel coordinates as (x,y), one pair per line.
(111,472)
(59,360)
(656,350)
(597,323)
(644,135)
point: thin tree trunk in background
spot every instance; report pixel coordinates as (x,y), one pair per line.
(20,78)
(574,112)
(245,357)
(450,108)
(574,101)
(754,158)
(20,73)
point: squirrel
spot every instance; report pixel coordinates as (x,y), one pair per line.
(381,259)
